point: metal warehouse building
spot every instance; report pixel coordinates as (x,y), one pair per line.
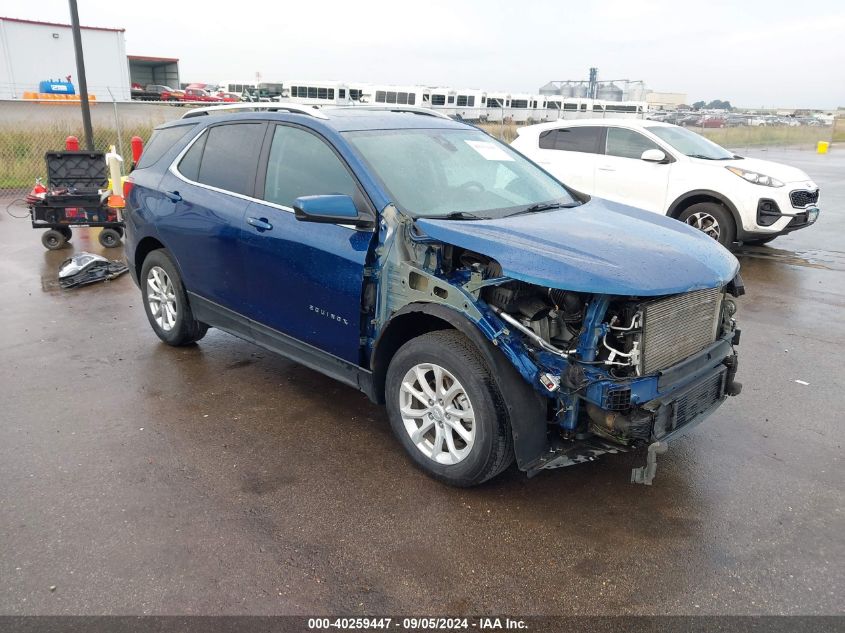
(32,51)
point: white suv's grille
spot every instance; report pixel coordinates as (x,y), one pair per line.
(678,327)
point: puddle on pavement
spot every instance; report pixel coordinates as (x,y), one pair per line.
(828,260)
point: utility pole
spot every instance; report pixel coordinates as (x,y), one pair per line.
(80,73)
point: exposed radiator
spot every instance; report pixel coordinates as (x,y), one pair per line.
(678,327)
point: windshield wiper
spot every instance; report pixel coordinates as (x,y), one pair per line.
(702,156)
(544,206)
(462,215)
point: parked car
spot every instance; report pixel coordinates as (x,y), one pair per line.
(229,97)
(736,120)
(499,314)
(198,94)
(712,121)
(673,171)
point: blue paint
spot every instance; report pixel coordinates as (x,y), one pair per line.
(593,329)
(333,205)
(599,247)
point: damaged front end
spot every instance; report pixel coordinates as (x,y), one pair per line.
(608,372)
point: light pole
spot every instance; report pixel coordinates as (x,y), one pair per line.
(80,73)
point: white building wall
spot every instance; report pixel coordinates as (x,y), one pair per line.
(31,52)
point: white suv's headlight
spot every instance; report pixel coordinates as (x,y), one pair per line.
(755,178)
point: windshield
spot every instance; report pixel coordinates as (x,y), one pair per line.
(459,173)
(690,143)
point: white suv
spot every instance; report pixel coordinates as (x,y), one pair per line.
(671,170)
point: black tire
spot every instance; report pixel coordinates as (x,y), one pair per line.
(186,329)
(109,238)
(53,240)
(119,230)
(760,241)
(65,230)
(492,449)
(723,217)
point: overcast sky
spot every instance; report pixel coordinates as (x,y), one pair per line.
(752,52)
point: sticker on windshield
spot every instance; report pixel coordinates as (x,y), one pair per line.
(489,150)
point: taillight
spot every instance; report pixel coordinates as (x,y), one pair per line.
(127,188)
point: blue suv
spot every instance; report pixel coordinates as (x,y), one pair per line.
(498,314)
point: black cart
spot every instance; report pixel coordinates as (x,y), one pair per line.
(73,198)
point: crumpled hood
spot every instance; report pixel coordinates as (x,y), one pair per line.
(599,247)
(782,172)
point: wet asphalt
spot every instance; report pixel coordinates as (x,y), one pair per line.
(220,479)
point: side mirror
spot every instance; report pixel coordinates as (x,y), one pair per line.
(653,156)
(329,209)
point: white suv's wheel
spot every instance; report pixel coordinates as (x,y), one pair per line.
(446,410)
(711,219)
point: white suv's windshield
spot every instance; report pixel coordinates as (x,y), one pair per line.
(690,143)
(461,174)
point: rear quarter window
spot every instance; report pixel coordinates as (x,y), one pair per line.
(160,142)
(585,139)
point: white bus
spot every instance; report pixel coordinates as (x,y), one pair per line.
(320,93)
(498,105)
(252,91)
(467,104)
(388,94)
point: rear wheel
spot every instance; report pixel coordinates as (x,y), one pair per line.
(166,302)
(446,410)
(711,219)
(65,230)
(53,240)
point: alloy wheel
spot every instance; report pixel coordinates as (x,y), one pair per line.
(437,413)
(161,297)
(705,223)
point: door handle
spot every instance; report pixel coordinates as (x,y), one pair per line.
(607,169)
(173,196)
(260,223)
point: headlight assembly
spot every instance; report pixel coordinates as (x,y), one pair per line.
(755,178)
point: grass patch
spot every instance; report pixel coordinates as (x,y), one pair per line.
(839,130)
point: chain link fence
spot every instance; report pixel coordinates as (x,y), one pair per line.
(31,128)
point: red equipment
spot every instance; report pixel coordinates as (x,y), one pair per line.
(137,147)
(72,144)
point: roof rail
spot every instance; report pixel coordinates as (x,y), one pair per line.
(396,108)
(253,107)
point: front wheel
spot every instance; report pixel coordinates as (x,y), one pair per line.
(446,410)
(711,219)
(166,302)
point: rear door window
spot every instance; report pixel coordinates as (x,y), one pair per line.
(302,164)
(585,139)
(189,166)
(627,143)
(225,157)
(160,142)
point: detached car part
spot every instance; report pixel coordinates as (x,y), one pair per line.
(88,268)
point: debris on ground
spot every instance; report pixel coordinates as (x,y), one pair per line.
(87,268)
